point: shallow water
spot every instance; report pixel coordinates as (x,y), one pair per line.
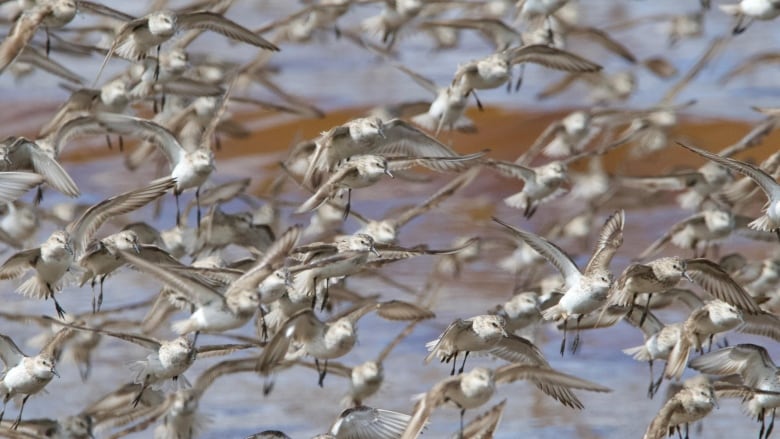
(300,408)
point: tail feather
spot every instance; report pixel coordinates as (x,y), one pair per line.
(35,288)
(732,9)
(639,353)
(552,313)
(184,326)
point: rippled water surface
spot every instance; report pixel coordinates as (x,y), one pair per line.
(338,77)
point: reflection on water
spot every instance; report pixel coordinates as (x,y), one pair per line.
(347,78)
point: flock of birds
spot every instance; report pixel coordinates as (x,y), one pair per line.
(224,270)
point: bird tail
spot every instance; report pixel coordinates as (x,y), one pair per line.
(552,313)
(184,326)
(35,288)
(732,9)
(639,353)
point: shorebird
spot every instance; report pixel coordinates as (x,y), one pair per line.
(663,274)
(770,220)
(189,167)
(714,317)
(496,69)
(446,110)
(366,378)
(583,291)
(748,10)
(361,171)
(474,388)
(18,153)
(660,339)
(213,312)
(329,340)
(695,401)
(373,136)
(484,333)
(56,255)
(137,37)
(167,360)
(757,370)
(50,14)
(25,376)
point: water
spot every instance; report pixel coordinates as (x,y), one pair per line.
(337,76)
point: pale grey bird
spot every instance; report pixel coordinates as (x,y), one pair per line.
(474,388)
(25,376)
(585,290)
(56,255)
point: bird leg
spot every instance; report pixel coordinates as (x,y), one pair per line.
(140,394)
(157,65)
(268,386)
(576,343)
(48,41)
(19,416)
(657,384)
(761,418)
(646,310)
(651,389)
(60,310)
(349,203)
(740,27)
(462,365)
(563,342)
(121,143)
(100,296)
(39,198)
(771,424)
(263,325)
(325,294)
(322,372)
(178,211)
(550,35)
(476,98)
(197,203)
(454,359)
(462,412)
(520,77)
(108,142)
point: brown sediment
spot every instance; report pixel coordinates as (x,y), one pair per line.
(506,132)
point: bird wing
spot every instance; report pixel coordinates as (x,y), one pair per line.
(15,184)
(229,28)
(51,170)
(610,240)
(195,291)
(720,285)
(262,268)
(552,58)
(17,264)
(750,361)
(768,184)
(83,229)
(10,352)
(557,257)
(403,138)
(147,130)
(364,422)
